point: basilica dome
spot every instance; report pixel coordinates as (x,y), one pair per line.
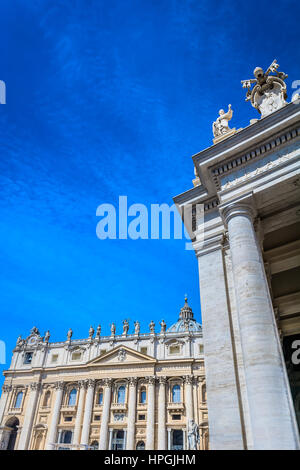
(186,321)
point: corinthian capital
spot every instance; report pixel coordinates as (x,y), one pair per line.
(188,379)
(59,385)
(132,381)
(163,380)
(91,383)
(6,388)
(151,380)
(35,386)
(107,382)
(81,384)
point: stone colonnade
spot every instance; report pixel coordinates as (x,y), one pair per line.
(263,411)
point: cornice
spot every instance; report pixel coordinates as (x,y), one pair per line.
(263,129)
(191,196)
(229,166)
(249,143)
(137,365)
(173,361)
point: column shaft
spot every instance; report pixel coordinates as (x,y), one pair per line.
(271,411)
(150,414)
(5,393)
(131,414)
(29,416)
(105,416)
(221,375)
(189,399)
(88,409)
(169,439)
(78,421)
(55,416)
(110,439)
(162,414)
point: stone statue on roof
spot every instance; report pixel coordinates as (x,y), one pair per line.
(163,326)
(137,328)
(152,327)
(113,329)
(221,126)
(269,91)
(125,327)
(98,332)
(91,332)
(69,334)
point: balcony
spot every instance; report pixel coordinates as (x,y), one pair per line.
(98,406)
(175,406)
(68,408)
(45,409)
(119,407)
(14,411)
(142,406)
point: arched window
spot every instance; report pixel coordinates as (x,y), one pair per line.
(72,397)
(121,394)
(19,399)
(140,445)
(143,395)
(176,393)
(13,424)
(100,397)
(46,401)
(66,437)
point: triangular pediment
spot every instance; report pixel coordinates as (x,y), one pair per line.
(122,355)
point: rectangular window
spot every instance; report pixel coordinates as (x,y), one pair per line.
(175,349)
(76,356)
(176,417)
(68,418)
(144,350)
(28,358)
(54,358)
(142,417)
(97,418)
(200,348)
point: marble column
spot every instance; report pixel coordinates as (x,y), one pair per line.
(272,415)
(29,416)
(161,438)
(131,414)
(150,414)
(77,429)
(105,415)
(51,439)
(169,439)
(88,409)
(125,438)
(4,397)
(110,439)
(224,408)
(189,409)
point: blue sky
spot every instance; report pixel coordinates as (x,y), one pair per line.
(109,98)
